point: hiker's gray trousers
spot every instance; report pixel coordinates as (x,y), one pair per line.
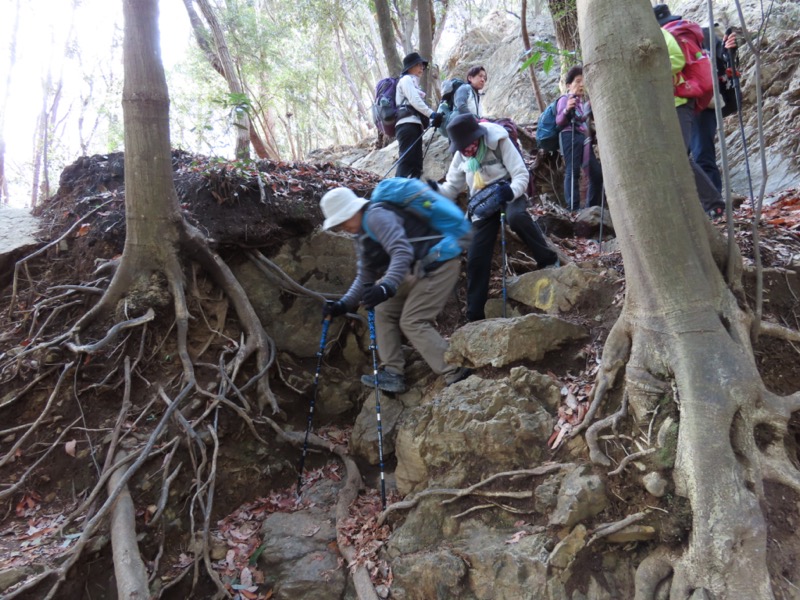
(412,312)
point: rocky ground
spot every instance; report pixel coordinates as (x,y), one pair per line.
(489,497)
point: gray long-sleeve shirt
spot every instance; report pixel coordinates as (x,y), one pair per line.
(387,228)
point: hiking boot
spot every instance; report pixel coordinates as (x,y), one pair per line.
(394,383)
(460,374)
(716,214)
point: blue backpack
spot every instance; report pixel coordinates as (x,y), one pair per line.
(384,108)
(441,213)
(546,129)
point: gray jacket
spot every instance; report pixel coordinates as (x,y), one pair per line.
(467,100)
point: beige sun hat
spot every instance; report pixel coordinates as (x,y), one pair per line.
(338,205)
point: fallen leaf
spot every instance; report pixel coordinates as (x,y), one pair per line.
(69,447)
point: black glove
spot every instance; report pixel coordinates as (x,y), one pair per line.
(433,185)
(505,192)
(333,309)
(375,294)
(436,119)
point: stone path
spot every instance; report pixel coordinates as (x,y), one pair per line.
(18,228)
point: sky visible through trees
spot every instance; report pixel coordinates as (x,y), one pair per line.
(76,42)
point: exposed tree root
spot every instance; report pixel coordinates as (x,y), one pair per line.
(779,331)
(112,334)
(44,249)
(129,570)
(457,493)
(596,455)
(609,528)
(630,458)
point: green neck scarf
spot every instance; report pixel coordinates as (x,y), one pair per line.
(474,163)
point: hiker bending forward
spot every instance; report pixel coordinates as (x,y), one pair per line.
(484,155)
(405,302)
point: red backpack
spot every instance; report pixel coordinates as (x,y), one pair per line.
(697,74)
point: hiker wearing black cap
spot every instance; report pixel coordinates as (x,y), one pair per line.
(413,116)
(691,96)
(485,159)
(575,142)
(405,302)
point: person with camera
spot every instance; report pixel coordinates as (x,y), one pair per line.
(572,115)
(486,163)
(413,116)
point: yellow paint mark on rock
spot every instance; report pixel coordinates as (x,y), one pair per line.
(544,293)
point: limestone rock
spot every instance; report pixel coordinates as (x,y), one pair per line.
(471,430)
(582,495)
(299,558)
(567,549)
(632,533)
(428,575)
(587,222)
(18,229)
(562,290)
(364,439)
(545,495)
(655,484)
(292,321)
(498,342)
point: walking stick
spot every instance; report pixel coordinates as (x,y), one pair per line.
(505,256)
(572,169)
(733,64)
(406,152)
(373,346)
(602,218)
(326,322)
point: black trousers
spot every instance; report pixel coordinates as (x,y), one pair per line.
(479,256)
(409,141)
(575,152)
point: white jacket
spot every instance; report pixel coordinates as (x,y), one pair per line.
(409,92)
(502,161)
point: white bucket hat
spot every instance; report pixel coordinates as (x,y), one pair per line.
(338,205)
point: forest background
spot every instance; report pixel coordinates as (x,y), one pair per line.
(306,72)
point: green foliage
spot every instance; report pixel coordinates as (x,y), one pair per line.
(547,52)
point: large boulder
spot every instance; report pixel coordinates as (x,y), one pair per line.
(299,558)
(364,439)
(563,290)
(322,262)
(498,342)
(472,429)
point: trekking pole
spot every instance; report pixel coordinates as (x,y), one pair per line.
(602,218)
(419,139)
(572,169)
(505,256)
(373,346)
(326,322)
(737,88)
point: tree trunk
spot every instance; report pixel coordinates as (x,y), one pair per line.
(405,30)
(425,17)
(565,21)
(681,323)
(526,42)
(362,110)
(384,16)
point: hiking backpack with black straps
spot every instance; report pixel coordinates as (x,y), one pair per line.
(384,108)
(695,81)
(546,129)
(453,231)
(447,106)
